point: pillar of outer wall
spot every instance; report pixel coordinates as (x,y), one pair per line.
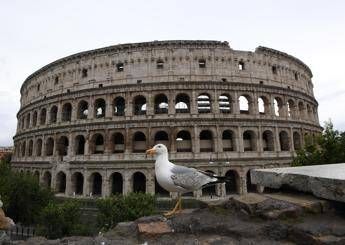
(222,190)
(193,104)
(127,185)
(74,111)
(105,186)
(91,108)
(149,104)
(277,141)
(235,103)
(196,140)
(68,191)
(150,183)
(59,113)
(171,104)
(243,185)
(85,184)
(240,140)
(259,140)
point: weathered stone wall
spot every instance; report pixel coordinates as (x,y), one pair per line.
(92,114)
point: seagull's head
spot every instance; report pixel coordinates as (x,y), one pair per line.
(157,150)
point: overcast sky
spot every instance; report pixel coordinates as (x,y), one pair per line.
(34,33)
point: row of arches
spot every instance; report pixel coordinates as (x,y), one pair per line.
(181,141)
(245,104)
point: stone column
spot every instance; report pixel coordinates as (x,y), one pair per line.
(171,104)
(193,104)
(68,191)
(105,185)
(277,141)
(59,112)
(127,185)
(74,111)
(240,139)
(196,144)
(236,105)
(259,140)
(109,107)
(150,183)
(149,104)
(243,185)
(91,108)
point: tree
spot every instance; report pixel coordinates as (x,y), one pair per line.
(327,148)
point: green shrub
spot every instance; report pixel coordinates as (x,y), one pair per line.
(117,209)
(58,220)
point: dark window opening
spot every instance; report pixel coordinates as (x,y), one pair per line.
(228,140)
(202,63)
(119,106)
(182,103)
(296,76)
(139,142)
(116,183)
(118,143)
(139,81)
(183,142)
(206,141)
(139,105)
(139,182)
(274,70)
(100,85)
(161,104)
(119,67)
(83,110)
(241,66)
(56,81)
(100,108)
(160,64)
(84,73)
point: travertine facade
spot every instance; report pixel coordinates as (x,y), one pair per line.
(86,120)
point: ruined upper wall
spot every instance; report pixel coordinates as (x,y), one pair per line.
(180,61)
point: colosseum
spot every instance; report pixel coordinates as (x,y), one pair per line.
(86,120)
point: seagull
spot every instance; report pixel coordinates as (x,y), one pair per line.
(180,179)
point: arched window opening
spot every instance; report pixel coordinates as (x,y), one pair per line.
(53,114)
(39,147)
(228,140)
(28,120)
(224,103)
(209,190)
(249,141)
(97,144)
(183,141)
(263,105)
(119,106)
(301,109)
(116,181)
(182,104)
(95,184)
(100,108)
(284,141)
(139,182)
(43,116)
(60,182)
(310,112)
(66,112)
(231,184)
(79,145)
(31,145)
(77,183)
(34,119)
(139,142)
(267,141)
(162,137)
(84,73)
(291,108)
(241,66)
(118,142)
(47,179)
(204,103)
(139,105)
(23,148)
(250,187)
(49,147)
(297,141)
(278,106)
(62,146)
(161,104)
(206,141)
(160,191)
(83,110)
(244,104)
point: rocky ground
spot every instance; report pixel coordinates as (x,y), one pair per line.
(251,219)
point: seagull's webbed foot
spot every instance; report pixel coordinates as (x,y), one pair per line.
(177,208)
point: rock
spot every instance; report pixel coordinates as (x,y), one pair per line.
(3,237)
(325,181)
(154,228)
(78,240)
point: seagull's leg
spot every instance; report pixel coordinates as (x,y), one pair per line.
(175,208)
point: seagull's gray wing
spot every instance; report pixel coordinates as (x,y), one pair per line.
(190,178)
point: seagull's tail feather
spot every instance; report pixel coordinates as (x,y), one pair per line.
(219,179)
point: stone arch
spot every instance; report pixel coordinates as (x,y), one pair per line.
(79,145)
(118,142)
(209,190)
(309,112)
(66,112)
(284,141)
(139,182)
(250,186)
(49,147)
(43,116)
(160,191)
(139,105)
(297,141)
(267,140)
(119,106)
(60,185)
(28,116)
(139,142)
(183,141)
(23,148)
(249,140)
(62,146)
(47,179)
(36,175)
(97,144)
(228,140)
(263,105)
(301,109)
(34,119)
(39,144)
(224,103)
(291,107)
(77,181)
(206,141)
(53,114)
(30,148)
(95,184)
(162,137)
(161,105)
(245,102)
(278,106)
(182,103)
(100,107)
(204,103)
(83,109)
(232,185)
(116,182)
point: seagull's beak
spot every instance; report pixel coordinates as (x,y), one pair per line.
(151,152)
